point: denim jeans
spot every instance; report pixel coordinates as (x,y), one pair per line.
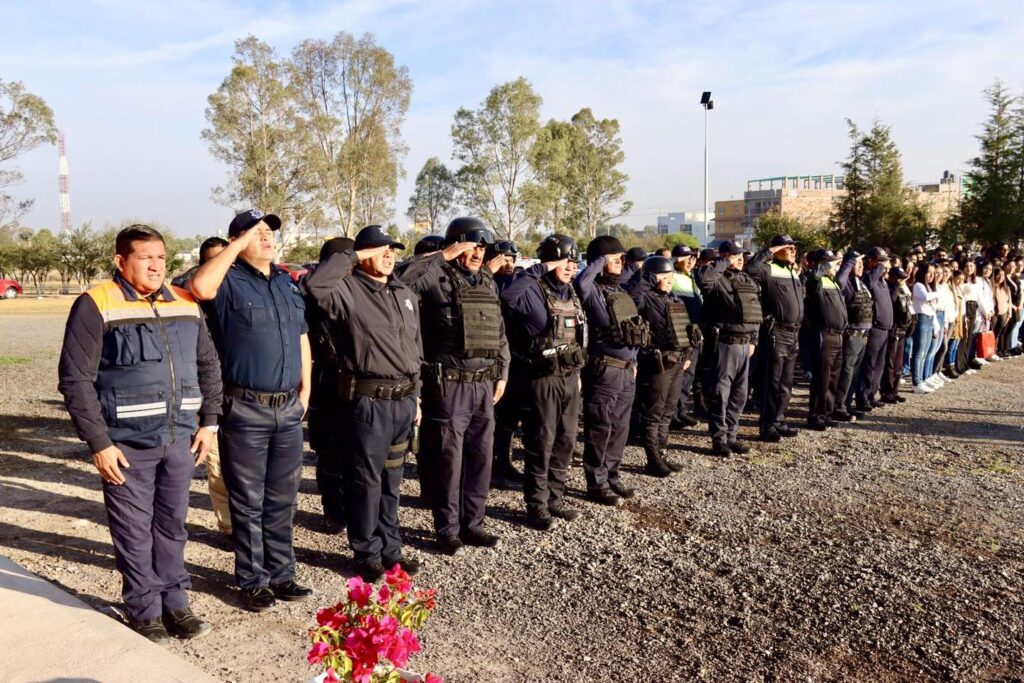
(954,348)
(922,345)
(940,323)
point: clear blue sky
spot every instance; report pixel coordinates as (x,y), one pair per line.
(128,82)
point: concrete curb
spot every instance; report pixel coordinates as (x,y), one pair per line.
(49,636)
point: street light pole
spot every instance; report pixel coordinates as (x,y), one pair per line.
(707,103)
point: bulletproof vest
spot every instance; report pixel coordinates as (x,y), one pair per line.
(748,299)
(902,310)
(675,336)
(562,346)
(861,309)
(627,328)
(473,328)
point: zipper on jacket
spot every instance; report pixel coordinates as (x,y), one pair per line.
(173,408)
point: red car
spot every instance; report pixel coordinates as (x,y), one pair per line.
(296,271)
(9,288)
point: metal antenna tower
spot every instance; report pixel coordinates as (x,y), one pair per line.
(62,186)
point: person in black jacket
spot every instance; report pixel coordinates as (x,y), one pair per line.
(775,270)
(902,325)
(826,322)
(860,314)
(869,382)
(732,310)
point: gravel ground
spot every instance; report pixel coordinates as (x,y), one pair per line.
(890,550)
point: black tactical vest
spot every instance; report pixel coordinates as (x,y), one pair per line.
(747,299)
(676,335)
(861,309)
(627,328)
(471,327)
(903,309)
(562,346)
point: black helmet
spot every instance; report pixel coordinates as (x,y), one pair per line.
(335,245)
(658,265)
(465,229)
(603,246)
(558,247)
(428,245)
(503,247)
(636,254)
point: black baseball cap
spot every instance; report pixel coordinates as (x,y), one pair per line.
(729,248)
(707,255)
(245,220)
(782,241)
(822,255)
(374,236)
(335,245)
(878,253)
(897,273)
(636,254)
(681,250)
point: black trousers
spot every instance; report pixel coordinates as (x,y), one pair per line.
(456,445)
(853,356)
(728,390)
(549,435)
(826,365)
(874,365)
(261,455)
(509,411)
(657,392)
(780,352)
(329,442)
(607,400)
(890,385)
(689,374)
(378,431)
(146,515)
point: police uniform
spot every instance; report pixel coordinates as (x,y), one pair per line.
(509,410)
(548,331)
(465,352)
(733,311)
(661,362)
(134,372)
(685,287)
(379,356)
(860,315)
(869,382)
(616,332)
(902,323)
(783,300)
(826,322)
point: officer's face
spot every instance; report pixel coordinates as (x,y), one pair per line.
(264,247)
(736,261)
(145,267)
(473,259)
(787,255)
(380,265)
(663,282)
(613,264)
(858,267)
(688,263)
(566,271)
(508,266)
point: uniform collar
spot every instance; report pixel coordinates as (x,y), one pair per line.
(253,270)
(373,285)
(130,294)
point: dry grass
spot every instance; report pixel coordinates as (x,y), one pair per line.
(29,305)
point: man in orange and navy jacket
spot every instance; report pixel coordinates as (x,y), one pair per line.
(136,368)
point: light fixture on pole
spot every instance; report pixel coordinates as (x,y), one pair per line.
(707,103)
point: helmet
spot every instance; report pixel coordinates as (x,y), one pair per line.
(636,254)
(428,245)
(558,247)
(503,248)
(658,265)
(334,246)
(468,230)
(603,246)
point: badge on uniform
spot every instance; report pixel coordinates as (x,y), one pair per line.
(408,304)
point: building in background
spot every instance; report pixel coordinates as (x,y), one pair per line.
(688,222)
(729,224)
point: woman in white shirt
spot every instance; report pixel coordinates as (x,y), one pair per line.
(924,299)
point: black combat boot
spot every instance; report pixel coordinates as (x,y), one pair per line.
(656,465)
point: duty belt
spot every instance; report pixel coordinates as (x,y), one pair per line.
(488,374)
(611,361)
(350,387)
(857,333)
(789,327)
(733,338)
(272,399)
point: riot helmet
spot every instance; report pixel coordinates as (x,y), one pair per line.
(428,245)
(464,229)
(558,247)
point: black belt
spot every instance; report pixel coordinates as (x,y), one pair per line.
(350,387)
(857,333)
(789,327)
(734,339)
(611,361)
(488,374)
(273,399)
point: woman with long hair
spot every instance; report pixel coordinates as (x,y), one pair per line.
(1001,293)
(956,330)
(1016,307)
(924,299)
(933,364)
(972,314)
(986,304)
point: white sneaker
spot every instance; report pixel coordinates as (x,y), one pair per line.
(923,388)
(982,361)
(994,358)
(970,371)
(932,383)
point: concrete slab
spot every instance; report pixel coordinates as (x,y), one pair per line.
(49,636)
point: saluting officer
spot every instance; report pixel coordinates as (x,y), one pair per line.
(685,286)
(634,259)
(258,318)
(870,379)
(609,378)
(326,438)
(733,310)
(549,331)
(466,370)
(775,270)
(136,366)
(826,322)
(379,357)
(900,298)
(860,315)
(428,245)
(662,362)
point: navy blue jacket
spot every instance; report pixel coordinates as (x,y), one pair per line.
(591,285)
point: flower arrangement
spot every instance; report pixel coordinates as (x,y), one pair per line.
(370,637)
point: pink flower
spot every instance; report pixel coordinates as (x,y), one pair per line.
(359,591)
(383,595)
(402,646)
(331,677)
(317,653)
(433,678)
(398,579)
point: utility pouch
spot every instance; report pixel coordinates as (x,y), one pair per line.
(711,341)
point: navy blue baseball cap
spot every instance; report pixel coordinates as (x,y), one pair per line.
(247,219)
(374,236)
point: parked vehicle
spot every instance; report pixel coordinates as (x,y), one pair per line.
(295,270)
(10,288)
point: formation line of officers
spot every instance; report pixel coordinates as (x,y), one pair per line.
(445,354)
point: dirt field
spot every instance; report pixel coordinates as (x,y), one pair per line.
(891,550)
